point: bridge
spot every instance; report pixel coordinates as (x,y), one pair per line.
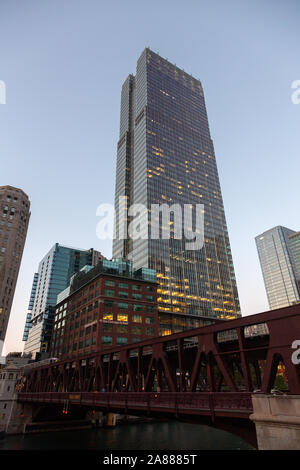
(210,374)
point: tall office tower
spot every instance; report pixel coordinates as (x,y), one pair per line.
(166,156)
(278,267)
(14,219)
(294,244)
(54,273)
(30,306)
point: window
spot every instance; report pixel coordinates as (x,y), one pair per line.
(137,318)
(122,317)
(110,283)
(149,320)
(136,287)
(122,328)
(107,328)
(123,285)
(149,308)
(108,303)
(123,306)
(136,340)
(150,297)
(87,342)
(123,294)
(109,293)
(149,331)
(108,316)
(137,308)
(122,340)
(136,296)
(136,330)
(106,339)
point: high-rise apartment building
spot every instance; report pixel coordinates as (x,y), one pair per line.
(166,156)
(14,219)
(54,273)
(275,247)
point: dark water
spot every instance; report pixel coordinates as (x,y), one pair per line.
(171,435)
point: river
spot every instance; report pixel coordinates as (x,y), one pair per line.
(170,435)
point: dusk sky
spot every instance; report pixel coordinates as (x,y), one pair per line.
(64,63)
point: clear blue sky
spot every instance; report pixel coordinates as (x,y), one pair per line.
(64,62)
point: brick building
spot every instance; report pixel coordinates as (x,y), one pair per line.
(108,305)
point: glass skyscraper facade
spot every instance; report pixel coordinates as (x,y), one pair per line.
(166,156)
(294,244)
(278,266)
(54,273)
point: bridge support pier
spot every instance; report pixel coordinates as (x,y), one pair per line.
(21,414)
(110,420)
(96,418)
(277,421)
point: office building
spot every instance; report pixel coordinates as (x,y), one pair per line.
(294,244)
(14,219)
(107,306)
(278,266)
(54,273)
(166,156)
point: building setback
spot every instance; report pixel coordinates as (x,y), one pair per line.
(14,219)
(107,306)
(166,156)
(54,274)
(278,266)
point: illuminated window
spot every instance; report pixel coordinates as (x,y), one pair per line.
(122,317)
(137,318)
(108,316)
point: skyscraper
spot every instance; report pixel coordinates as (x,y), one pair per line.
(278,266)
(14,219)
(294,244)
(166,156)
(54,273)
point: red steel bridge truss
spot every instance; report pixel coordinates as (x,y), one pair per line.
(211,370)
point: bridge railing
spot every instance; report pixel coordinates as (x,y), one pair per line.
(195,403)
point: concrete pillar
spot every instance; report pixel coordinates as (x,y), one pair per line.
(95,417)
(21,415)
(277,421)
(110,420)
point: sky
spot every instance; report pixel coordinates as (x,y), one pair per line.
(64,63)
